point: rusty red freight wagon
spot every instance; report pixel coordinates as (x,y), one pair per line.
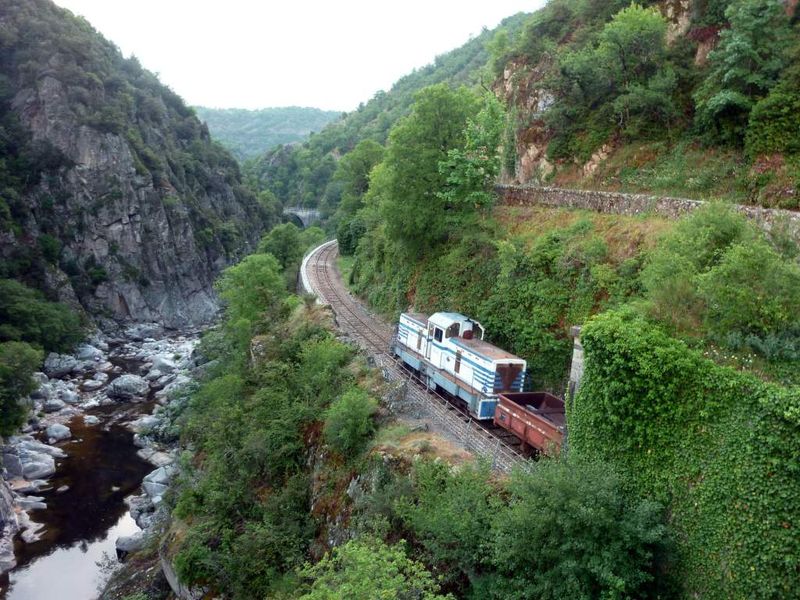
(536,418)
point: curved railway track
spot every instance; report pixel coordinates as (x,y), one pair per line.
(375,337)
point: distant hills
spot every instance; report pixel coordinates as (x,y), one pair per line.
(250,133)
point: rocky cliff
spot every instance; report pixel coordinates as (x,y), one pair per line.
(113,196)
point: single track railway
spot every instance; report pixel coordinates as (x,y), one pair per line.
(491,442)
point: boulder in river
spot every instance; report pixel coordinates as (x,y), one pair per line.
(88,352)
(130,543)
(59,365)
(58,432)
(164,363)
(38,466)
(127,387)
(91,385)
(28,444)
(90,420)
(53,405)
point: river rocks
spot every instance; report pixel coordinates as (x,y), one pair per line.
(91,385)
(9,526)
(90,420)
(156,482)
(53,405)
(127,387)
(58,432)
(31,502)
(38,466)
(163,364)
(59,365)
(143,331)
(155,457)
(12,462)
(88,352)
(32,446)
(130,543)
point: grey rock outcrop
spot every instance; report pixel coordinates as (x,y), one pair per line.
(146,209)
(127,387)
(59,365)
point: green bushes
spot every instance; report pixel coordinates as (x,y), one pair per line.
(18,362)
(348,421)
(570,531)
(715,275)
(367,569)
(26,316)
(717,446)
(565,529)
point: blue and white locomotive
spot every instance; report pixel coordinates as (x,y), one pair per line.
(448,351)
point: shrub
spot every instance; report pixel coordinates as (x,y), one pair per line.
(366,570)
(752,290)
(571,531)
(774,124)
(348,421)
(18,362)
(26,316)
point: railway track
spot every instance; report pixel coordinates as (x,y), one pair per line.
(375,337)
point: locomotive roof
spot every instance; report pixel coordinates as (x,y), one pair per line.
(484,348)
(419,317)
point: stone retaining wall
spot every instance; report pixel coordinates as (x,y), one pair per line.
(636,204)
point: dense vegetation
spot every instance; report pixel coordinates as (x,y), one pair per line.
(649,88)
(284,435)
(715,444)
(697,104)
(692,361)
(250,133)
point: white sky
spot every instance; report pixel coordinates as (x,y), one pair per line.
(262,53)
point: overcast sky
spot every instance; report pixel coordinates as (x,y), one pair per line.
(261,53)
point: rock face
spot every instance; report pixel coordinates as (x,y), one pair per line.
(145,209)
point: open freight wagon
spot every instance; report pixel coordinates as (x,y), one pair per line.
(536,418)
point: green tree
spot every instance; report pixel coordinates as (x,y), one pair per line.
(450,513)
(753,290)
(25,315)
(744,67)
(410,203)
(352,172)
(368,570)
(251,288)
(472,171)
(283,242)
(18,362)
(570,531)
(348,421)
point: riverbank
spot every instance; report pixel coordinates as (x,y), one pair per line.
(93,461)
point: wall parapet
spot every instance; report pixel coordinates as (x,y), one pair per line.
(622,203)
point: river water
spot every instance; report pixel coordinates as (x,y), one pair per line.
(81,524)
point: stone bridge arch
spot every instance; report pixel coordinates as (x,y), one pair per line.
(305,216)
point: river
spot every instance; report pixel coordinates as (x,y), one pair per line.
(86,508)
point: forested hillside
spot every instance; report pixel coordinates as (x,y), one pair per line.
(250,133)
(303,175)
(692,326)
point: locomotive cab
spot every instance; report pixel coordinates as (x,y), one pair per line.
(449,352)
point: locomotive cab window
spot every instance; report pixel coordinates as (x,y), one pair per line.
(452,331)
(437,334)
